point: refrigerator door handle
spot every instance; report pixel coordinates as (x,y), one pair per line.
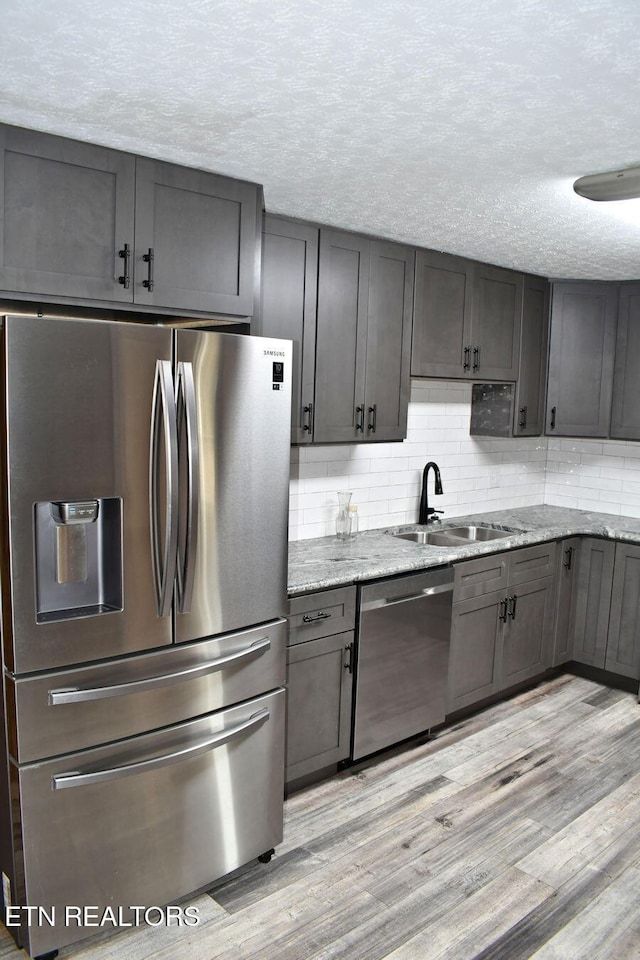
(80,695)
(187,407)
(63,781)
(164,418)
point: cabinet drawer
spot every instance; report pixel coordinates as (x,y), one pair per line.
(474,578)
(321,614)
(531,563)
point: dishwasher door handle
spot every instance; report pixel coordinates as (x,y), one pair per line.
(392,601)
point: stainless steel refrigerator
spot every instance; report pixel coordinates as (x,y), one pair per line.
(144,536)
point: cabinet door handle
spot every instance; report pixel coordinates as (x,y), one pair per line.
(503,610)
(348,657)
(148,259)
(374,417)
(523,418)
(476,358)
(568,558)
(467,359)
(512,603)
(360,418)
(553,417)
(125,254)
(308,417)
(320,615)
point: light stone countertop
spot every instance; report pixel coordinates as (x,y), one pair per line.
(328,562)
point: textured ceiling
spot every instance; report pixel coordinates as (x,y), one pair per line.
(454,125)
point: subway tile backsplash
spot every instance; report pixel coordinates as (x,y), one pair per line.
(477,473)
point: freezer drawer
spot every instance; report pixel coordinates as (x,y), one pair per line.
(63,711)
(153,818)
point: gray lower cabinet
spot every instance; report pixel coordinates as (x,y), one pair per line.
(625,406)
(581,358)
(319,681)
(89,224)
(594,576)
(466,319)
(502,624)
(623,639)
(565,601)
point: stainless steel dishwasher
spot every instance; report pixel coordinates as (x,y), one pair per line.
(403,656)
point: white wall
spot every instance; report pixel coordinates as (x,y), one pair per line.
(477,473)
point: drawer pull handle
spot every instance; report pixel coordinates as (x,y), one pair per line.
(320,615)
(63,781)
(79,695)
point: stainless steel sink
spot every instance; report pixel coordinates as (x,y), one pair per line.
(455,536)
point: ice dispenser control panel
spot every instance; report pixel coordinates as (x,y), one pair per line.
(75,511)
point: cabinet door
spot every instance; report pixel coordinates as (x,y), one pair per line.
(625,410)
(389,341)
(289,296)
(526,648)
(341,348)
(319,683)
(442,316)
(476,650)
(593,601)
(201,230)
(623,642)
(565,601)
(66,210)
(581,356)
(529,406)
(496,323)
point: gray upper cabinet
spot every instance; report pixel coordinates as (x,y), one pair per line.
(581,358)
(85,223)
(625,410)
(289,299)
(442,316)
(195,239)
(66,212)
(341,337)
(530,386)
(466,319)
(496,323)
(388,351)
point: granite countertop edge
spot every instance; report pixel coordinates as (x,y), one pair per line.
(327,562)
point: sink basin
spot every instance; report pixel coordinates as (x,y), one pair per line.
(455,536)
(476,533)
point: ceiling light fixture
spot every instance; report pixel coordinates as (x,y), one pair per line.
(617,185)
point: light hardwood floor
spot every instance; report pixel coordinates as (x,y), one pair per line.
(513,834)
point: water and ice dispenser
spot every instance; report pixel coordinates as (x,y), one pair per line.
(78,558)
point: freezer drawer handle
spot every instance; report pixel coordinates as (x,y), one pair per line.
(187,412)
(164,570)
(62,781)
(79,695)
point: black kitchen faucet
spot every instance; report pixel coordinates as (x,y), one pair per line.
(428,514)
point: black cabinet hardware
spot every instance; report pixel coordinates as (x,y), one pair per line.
(568,558)
(476,358)
(503,611)
(360,418)
(374,415)
(553,417)
(522,422)
(467,361)
(149,258)
(511,612)
(125,254)
(320,615)
(348,658)
(308,415)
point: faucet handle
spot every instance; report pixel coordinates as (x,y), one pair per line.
(432,516)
